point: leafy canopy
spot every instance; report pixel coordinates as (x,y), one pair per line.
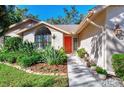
(71,17)
(11,14)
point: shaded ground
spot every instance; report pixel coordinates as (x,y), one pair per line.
(79,75)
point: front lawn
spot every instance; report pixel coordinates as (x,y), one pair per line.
(12,77)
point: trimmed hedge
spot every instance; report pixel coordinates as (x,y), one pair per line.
(118,65)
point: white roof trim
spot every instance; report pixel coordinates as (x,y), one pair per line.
(13,25)
(44,23)
(91,13)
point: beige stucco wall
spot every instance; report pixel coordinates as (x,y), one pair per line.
(56,43)
(113,44)
(101,45)
(91,38)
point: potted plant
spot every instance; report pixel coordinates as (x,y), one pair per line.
(102,73)
(93,67)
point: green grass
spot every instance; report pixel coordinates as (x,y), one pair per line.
(12,77)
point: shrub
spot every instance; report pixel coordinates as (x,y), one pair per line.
(12,43)
(8,56)
(2,57)
(118,57)
(26,60)
(3,53)
(27,47)
(100,70)
(93,64)
(54,57)
(36,58)
(81,52)
(11,57)
(118,65)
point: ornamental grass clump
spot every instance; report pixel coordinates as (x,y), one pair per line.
(54,57)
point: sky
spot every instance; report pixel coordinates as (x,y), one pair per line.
(47,11)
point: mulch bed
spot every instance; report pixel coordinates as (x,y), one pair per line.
(45,68)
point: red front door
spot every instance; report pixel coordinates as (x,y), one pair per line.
(68,44)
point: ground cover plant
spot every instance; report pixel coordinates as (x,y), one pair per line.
(118,65)
(81,52)
(11,77)
(25,54)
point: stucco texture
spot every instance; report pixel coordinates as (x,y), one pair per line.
(56,43)
(91,37)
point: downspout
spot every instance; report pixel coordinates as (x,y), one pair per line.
(104,44)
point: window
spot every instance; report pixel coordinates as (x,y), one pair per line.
(75,43)
(43,37)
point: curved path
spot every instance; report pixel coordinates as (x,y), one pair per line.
(79,75)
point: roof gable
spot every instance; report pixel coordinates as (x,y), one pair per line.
(92,13)
(22,22)
(46,24)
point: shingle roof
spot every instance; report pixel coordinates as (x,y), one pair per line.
(69,28)
(47,24)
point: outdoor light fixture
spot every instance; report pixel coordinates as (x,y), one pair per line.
(54,36)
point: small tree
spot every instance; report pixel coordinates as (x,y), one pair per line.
(71,17)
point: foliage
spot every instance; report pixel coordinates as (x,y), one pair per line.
(10,14)
(93,64)
(8,56)
(27,47)
(12,43)
(71,17)
(81,52)
(26,60)
(17,44)
(11,57)
(118,57)
(11,77)
(2,57)
(26,55)
(100,70)
(54,57)
(4,17)
(118,64)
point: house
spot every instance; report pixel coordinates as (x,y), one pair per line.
(100,33)
(43,34)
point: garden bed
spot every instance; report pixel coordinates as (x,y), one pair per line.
(48,69)
(42,69)
(12,77)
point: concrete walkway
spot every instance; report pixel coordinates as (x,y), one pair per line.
(79,75)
